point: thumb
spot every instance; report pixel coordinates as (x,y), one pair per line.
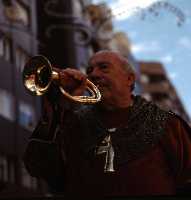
(79,91)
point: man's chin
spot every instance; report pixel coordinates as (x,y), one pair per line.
(104,91)
(102,88)
(105,103)
(104,96)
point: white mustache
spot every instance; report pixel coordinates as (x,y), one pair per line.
(100,82)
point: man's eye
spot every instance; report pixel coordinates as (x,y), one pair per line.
(89,70)
(103,66)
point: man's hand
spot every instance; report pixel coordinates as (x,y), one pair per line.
(73,81)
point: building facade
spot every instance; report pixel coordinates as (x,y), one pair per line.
(18,110)
(157,87)
(62,32)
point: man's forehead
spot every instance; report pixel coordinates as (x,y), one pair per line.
(103,57)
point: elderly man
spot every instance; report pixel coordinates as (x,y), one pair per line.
(121,146)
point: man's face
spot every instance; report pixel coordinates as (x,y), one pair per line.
(106,72)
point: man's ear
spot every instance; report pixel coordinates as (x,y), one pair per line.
(131,79)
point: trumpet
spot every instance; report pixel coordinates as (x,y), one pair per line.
(38,74)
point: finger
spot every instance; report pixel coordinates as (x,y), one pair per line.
(56,69)
(80,90)
(75,74)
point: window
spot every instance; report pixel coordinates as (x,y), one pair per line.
(26,115)
(1,46)
(20,58)
(22,13)
(18,12)
(144,78)
(147,96)
(27,180)
(6,105)
(159,96)
(5,47)
(156,78)
(3,169)
(7,2)
(11,170)
(77,7)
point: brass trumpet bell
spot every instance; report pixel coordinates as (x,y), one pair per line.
(38,75)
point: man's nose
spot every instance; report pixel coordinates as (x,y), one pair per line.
(94,74)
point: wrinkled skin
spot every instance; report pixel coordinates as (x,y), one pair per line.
(107,73)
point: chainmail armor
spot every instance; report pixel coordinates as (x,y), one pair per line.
(145,127)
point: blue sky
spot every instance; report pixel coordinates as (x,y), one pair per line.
(159,37)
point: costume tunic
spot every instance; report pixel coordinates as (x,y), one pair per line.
(152,152)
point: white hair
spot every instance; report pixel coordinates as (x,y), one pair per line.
(124,61)
(125,64)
